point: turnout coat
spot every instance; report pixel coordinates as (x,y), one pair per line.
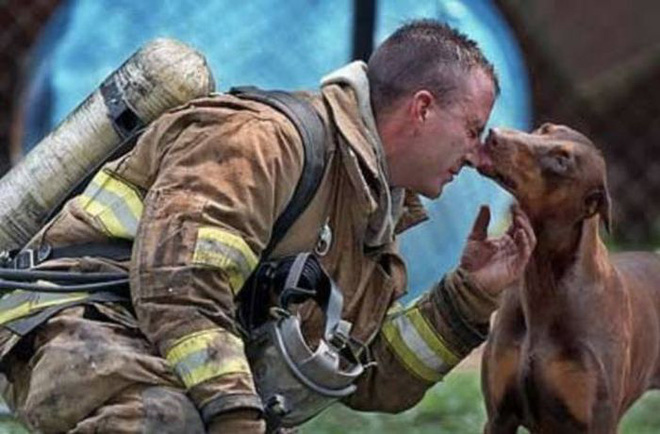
(198,196)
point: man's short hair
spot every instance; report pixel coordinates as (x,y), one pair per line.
(423,54)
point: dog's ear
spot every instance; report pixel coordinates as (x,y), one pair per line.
(597,201)
(558,163)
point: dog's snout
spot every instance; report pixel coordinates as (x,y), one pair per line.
(492,138)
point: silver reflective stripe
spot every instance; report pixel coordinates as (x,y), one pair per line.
(418,346)
(119,207)
(187,365)
(19,304)
(114,203)
(15,298)
(233,254)
(207,354)
(227,251)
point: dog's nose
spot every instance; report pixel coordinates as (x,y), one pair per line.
(491,139)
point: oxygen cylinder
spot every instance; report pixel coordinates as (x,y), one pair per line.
(162,74)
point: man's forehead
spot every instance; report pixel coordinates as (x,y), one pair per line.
(475,121)
(474,96)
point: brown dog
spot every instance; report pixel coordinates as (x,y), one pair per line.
(579,340)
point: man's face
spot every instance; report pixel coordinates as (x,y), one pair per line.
(447,135)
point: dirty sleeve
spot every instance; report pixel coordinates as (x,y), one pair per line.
(419,344)
(223,177)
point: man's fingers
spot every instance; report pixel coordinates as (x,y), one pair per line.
(521,221)
(514,209)
(524,245)
(480,228)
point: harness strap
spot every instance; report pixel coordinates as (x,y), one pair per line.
(117,250)
(312,132)
(18,308)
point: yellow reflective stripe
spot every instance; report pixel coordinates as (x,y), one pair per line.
(33,303)
(432,338)
(19,311)
(227,251)
(110,224)
(406,356)
(189,344)
(190,356)
(422,350)
(395,308)
(213,370)
(115,204)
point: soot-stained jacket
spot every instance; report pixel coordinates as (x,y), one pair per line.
(198,197)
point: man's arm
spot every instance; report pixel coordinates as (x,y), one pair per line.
(417,346)
(221,182)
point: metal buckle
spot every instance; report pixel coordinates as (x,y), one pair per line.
(24,260)
(341,335)
(324,241)
(5,259)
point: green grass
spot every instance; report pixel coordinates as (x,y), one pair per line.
(10,426)
(455,406)
(644,416)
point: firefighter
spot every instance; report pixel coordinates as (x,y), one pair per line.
(197,199)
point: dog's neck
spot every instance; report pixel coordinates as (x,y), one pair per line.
(563,251)
(557,242)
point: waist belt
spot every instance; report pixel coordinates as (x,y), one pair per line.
(28,258)
(22,311)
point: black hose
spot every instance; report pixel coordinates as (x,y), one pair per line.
(60,276)
(119,284)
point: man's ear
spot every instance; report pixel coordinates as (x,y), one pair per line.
(597,201)
(422,101)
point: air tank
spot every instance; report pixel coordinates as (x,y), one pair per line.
(162,74)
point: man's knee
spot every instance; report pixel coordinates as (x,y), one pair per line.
(170,411)
(144,409)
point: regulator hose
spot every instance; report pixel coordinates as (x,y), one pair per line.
(59,276)
(119,285)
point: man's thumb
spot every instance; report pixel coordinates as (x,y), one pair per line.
(480,228)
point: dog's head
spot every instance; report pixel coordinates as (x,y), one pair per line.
(554,172)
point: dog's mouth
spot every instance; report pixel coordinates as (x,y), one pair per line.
(501,179)
(506,182)
(493,159)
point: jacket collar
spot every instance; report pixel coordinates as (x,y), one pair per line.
(347,93)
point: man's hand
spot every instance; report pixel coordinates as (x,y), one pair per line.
(494,264)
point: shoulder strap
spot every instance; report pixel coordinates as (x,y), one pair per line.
(312,131)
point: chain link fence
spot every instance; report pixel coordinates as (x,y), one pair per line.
(20,23)
(595,66)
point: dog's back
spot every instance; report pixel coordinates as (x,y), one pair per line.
(640,272)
